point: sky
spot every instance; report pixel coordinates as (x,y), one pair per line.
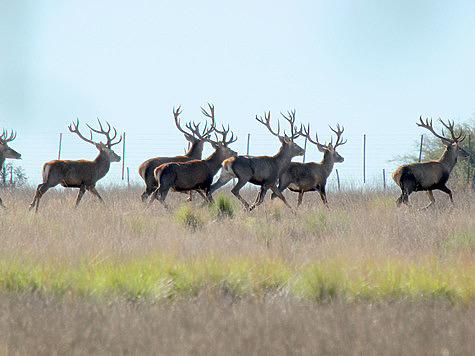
(372,66)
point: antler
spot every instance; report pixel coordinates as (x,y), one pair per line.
(450,127)
(76,131)
(428,125)
(291,119)
(176,113)
(109,143)
(266,123)
(305,132)
(338,132)
(223,133)
(5,138)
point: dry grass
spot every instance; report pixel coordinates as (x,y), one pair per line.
(361,278)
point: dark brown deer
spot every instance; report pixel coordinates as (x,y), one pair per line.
(147,168)
(197,174)
(427,176)
(261,170)
(312,176)
(7,152)
(80,174)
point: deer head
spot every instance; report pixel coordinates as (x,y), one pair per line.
(5,150)
(329,149)
(295,150)
(104,148)
(452,144)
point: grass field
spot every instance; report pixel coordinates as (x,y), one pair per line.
(362,277)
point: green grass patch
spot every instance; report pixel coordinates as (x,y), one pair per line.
(188,217)
(159,278)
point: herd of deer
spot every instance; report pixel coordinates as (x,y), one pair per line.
(189,172)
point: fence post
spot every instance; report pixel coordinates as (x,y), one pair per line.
(304,150)
(60,141)
(384,179)
(123,156)
(338,179)
(420,149)
(469,164)
(364,158)
(248,140)
(128,177)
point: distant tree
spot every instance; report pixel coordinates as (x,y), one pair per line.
(432,149)
(11,176)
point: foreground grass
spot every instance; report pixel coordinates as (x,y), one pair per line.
(362,249)
(360,278)
(157,278)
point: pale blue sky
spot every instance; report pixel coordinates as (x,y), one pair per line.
(372,66)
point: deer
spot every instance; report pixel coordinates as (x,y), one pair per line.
(196,174)
(431,175)
(147,168)
(82,174)
(262,170)
(6,151)
(312,176)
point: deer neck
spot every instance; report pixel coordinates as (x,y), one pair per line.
(327,162)
(283,158)
(102,164)
(2,159)
(448,159)
(214,160)
(195,150)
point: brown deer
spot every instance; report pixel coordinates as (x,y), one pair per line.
(430,175)
(7,152)
(80,174)
(312,176)
(147,168)
(197,174)
(261,170)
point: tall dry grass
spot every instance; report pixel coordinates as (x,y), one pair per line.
(362,277)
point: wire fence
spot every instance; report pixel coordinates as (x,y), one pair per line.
(369,159)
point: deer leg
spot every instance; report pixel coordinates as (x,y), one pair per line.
(280,195)
(82,190)
(236,190)
(323,195)
(1,204)
(430,195)
(260,196)
(448,191)
(93,190)
(300,198)
(223,179)
(42,188)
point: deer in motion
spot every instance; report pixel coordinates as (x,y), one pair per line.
(262,170)
(6,151)
(312,176)
(197,174)
(147,168)
(80,174)
(430,175)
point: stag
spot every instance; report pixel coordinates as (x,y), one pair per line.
(312,176)
(262,170)
(197,174)
(427,176)
(7,152)
(80,174)
(147,168)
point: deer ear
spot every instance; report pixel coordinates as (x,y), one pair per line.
(321,148)
(189,138)
(446,143)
